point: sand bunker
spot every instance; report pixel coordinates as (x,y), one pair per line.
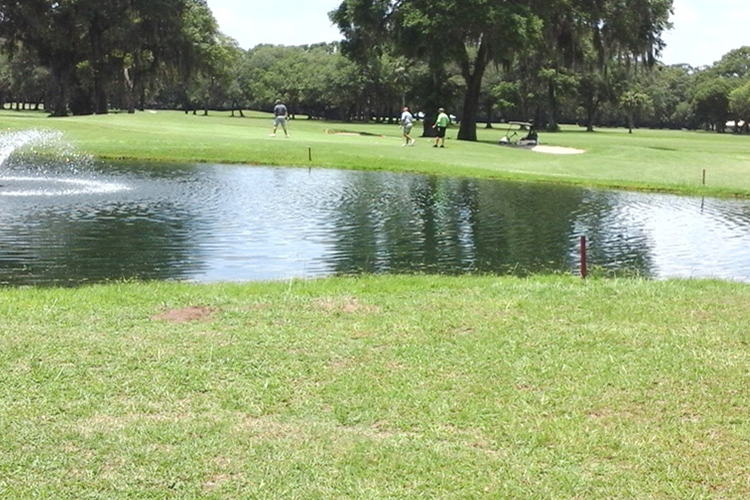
(557,150)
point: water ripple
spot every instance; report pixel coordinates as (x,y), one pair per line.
(216,222)
(55,187)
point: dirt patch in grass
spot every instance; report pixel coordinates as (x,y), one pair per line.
(345,305)
(185,314)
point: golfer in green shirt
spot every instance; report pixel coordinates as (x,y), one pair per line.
(440,125)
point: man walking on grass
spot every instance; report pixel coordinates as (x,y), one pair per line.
(280,115)
(440,125)
(407,121)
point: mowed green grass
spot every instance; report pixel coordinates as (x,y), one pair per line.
(382,387)
(377,388)
(674,161)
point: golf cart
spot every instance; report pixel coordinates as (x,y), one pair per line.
(520,134)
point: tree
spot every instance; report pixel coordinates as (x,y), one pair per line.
(508,99)
(26,79)
(739,105)
(470,34)
(344,87)
(667,87)
(711,103)
(556,39)
(49,29)
(156,46)
(633,102)
(593,90)
(711,88)
(89,45)
(734,64)
(564,49)
(275,72)
(370,42)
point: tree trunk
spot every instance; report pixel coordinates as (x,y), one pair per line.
(468,128)
(552,125)
(129,91)
(434,95)
(236,106)
(96,35)
(590,113)
(59,91)
(141,95)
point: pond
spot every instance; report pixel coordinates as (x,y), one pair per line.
(69,221)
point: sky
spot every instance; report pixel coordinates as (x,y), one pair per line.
(277,22)
(704,30)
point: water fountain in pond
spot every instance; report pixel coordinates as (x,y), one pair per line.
(41,163)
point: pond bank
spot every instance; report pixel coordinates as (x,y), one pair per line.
(693,163)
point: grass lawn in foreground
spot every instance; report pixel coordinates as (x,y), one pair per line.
(377,388)
(653,160)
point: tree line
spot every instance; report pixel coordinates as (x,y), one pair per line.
(592,62)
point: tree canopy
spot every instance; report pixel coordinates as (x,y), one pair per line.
(592,62)
(89,45)
(549,37)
